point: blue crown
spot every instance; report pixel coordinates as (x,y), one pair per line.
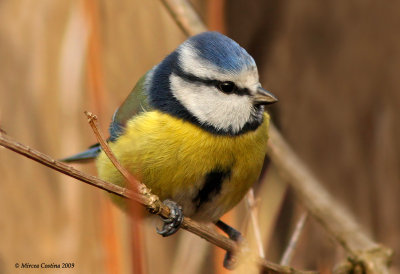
(221,51)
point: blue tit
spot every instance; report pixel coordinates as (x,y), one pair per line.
(193,129)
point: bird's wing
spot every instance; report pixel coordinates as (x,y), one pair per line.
(135,103)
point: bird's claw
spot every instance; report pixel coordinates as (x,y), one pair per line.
(174,221)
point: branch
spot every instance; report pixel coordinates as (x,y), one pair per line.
(150,201)
(253,211)
(330,214)
(185,16)
(288,254)
(318,201)
(134,183)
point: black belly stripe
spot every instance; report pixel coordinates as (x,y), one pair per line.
(212,186)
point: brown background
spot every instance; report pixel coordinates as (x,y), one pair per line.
(334,66)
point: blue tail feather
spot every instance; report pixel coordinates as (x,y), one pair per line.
(86,155)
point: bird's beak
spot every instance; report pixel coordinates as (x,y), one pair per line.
(264,97)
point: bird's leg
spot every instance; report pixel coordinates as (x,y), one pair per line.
(174,221)
(229,260)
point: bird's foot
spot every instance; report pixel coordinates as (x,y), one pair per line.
(230,260)
(174,221)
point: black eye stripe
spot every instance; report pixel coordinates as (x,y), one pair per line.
(209,82)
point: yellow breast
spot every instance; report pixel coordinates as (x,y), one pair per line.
(173,157)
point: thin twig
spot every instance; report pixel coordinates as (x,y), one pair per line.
(288,254)
(7,142)
(253,211)
(185,16)
(150,201)
(319,202)
(133,184)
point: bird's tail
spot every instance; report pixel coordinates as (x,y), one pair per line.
(84,156)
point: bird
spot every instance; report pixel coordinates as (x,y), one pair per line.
(194,130)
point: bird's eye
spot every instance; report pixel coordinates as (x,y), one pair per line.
(227,87)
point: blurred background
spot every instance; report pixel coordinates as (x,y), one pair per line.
(333,65)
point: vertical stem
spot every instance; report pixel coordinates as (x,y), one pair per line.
(256,226)
(288,254)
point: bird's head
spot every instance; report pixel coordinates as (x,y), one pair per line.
(211,81)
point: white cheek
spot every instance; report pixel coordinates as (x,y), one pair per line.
(211,106)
